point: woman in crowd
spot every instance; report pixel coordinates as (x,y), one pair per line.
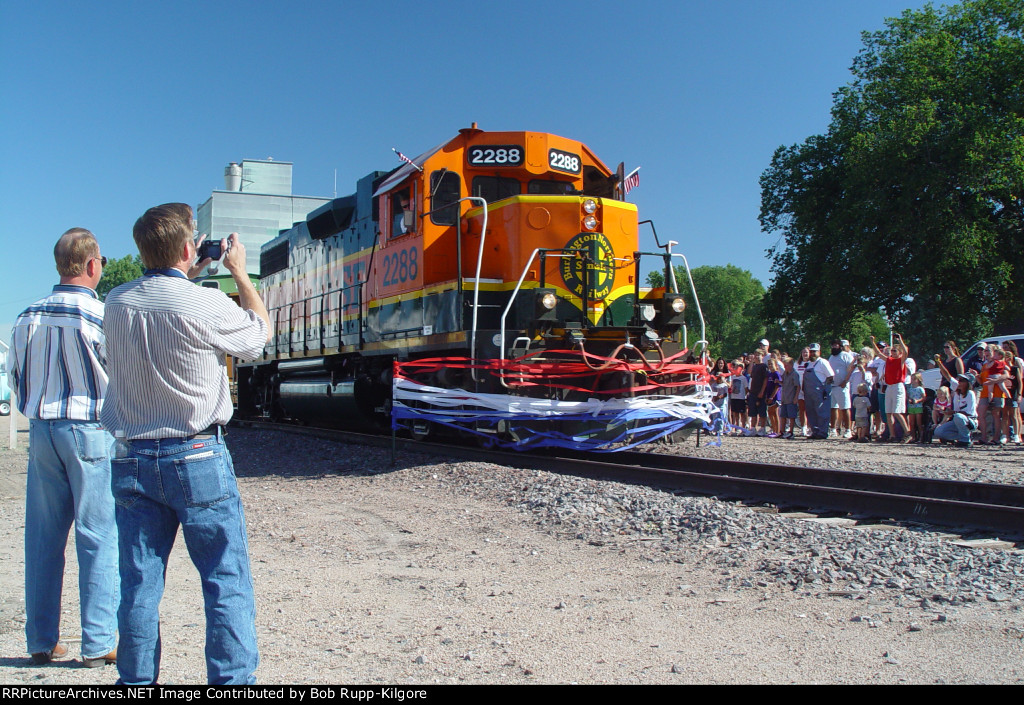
(800,364)
(1012,419)
(952,366)
(895,389)
(861,374)
(877,368)
(999,392)
(984,394)
(965,417)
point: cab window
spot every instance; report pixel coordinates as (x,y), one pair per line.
(545,187)
(402,220)
(495,188)
(444,189)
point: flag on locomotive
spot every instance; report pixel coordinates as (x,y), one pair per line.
(489,286)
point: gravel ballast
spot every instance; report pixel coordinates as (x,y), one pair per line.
(457,572)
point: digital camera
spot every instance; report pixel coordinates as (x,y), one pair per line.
(211,249)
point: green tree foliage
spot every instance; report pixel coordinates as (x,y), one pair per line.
(117,272)
(791,336)
(913,200)
(730,299)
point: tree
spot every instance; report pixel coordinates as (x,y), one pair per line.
(730,299)
(117,272)
(913,200)
(791,335)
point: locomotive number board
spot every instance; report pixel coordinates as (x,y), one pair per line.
(496,155)
(564,161)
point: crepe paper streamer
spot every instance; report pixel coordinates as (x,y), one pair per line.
(604,425)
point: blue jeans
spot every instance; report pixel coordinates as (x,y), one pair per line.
(959,429)
(69,480)
(159,484)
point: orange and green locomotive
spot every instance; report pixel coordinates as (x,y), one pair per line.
(491,286)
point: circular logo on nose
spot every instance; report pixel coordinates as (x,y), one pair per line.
(591,268)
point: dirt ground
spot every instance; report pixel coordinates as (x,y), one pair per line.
(401,578)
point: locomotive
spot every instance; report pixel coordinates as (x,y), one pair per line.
(491,287)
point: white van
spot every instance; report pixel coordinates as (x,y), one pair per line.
(971,356)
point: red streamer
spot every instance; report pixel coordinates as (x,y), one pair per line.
(519,373)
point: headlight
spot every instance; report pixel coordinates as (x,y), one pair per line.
(548,301)
(589,206)
(678,305)
(590,222)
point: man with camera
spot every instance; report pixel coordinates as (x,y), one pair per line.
(168,400)
(57,368)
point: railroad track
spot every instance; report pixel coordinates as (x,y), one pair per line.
(947,503)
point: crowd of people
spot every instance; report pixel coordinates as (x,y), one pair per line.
(876,394)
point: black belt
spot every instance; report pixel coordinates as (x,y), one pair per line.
(213,430)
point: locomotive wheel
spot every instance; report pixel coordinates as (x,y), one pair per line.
(420,430)
(487,439)
(5,408)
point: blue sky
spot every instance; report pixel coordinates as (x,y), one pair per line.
(110,108)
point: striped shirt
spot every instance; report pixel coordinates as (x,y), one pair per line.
(57,357)
(167,341)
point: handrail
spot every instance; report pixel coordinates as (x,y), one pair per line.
(515,292)
(479,266)
(693,290)
(305,312)
(519,284)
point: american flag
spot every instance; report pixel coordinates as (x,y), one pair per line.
(631,182)
(406,159)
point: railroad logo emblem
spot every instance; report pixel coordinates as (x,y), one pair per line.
(593,267)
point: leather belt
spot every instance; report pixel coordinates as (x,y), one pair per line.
(213,431)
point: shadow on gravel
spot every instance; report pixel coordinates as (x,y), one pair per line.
(24,662)
(261,453)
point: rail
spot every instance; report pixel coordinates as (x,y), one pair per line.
(951,503)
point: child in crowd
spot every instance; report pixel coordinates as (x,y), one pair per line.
(915,407)
(720,394)
(772,397)
(738,398)
(942,411)
(862,412)
(790,393)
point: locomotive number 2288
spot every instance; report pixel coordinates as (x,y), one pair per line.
(401,266)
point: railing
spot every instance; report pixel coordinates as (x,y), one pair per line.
(345,302)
